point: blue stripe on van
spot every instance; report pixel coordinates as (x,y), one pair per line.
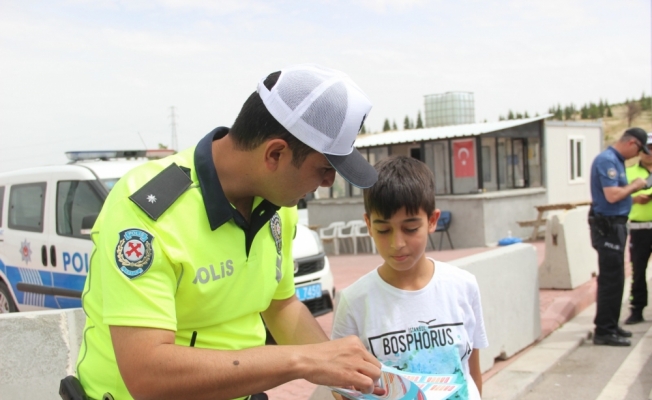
(45,278)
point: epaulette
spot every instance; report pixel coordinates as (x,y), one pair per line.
(162,191)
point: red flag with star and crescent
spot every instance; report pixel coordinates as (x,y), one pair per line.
(464,158)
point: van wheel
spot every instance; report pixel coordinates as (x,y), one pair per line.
(7,304)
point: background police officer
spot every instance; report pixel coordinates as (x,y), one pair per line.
(612,203)
(640,229)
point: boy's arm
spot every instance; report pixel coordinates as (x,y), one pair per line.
(344,323)
(474,369)
(290,322)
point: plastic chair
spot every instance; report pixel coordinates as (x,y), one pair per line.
(347,232)
(362,232)
(443,224)
(329,234)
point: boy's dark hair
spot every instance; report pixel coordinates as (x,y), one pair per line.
(255,124)
(402,182)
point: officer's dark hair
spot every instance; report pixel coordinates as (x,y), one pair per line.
(402,182)
(255,124)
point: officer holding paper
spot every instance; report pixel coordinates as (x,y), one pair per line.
(640,230)
(612,202)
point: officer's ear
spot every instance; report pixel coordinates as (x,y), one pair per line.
(276,151)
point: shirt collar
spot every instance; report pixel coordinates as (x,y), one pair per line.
(620,156)
(218,207)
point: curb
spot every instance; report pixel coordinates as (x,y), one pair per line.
(565,308)
(520,377)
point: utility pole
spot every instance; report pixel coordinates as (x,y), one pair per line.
(173,140)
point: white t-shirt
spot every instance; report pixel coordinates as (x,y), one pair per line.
(432,330)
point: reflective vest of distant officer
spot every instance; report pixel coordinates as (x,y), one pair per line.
(640,231)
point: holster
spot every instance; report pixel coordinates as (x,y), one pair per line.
(599,223)
(71,389)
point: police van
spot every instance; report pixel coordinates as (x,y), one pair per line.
(45,218)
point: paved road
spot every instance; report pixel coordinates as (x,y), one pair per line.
(602,372)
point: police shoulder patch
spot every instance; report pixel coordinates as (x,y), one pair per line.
(133,253)
(275,227)
(611,173)
(157,195)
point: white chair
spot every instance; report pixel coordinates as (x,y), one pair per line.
(347,232)
(329,234)
(362,232)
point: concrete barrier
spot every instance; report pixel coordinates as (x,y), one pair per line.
(507,278)
(570,261)
(37,350)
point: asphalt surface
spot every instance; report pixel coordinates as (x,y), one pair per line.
(602,372)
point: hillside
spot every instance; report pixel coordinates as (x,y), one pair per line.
(614,126)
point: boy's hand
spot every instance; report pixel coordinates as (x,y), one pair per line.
(642,199)
(378,391)
(337,396)
(342,363)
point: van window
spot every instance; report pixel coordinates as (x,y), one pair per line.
(2,198)
(75,200)
(26,204)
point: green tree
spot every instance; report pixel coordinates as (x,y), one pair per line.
(510,115)
(525,115)
(633,111)
(386,126)
(419,121)
(406,123)
(609,114)
(394,127)
(584,112)
(363,130)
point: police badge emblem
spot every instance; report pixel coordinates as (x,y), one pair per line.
(611,172)
(275,227)
(133,253)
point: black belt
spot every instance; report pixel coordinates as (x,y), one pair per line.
(614,219)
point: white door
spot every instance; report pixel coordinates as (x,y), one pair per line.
(69,248)
(24,245)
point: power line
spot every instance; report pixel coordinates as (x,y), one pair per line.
(173,139)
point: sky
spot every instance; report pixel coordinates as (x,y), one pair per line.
(103,75)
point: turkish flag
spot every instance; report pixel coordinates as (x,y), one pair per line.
(463,158)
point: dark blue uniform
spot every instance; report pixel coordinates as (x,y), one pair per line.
(608,235)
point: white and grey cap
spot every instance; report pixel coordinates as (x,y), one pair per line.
(325,110)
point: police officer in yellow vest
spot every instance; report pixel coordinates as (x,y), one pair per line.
(190,252)
(640,231)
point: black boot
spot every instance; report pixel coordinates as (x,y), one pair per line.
(612,339)
(623,333)
(636,317)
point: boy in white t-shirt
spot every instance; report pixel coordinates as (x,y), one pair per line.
(413,313)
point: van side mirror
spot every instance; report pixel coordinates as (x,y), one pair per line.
(87,224)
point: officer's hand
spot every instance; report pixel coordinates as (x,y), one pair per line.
(342,363)
(639,183)
(641,199)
